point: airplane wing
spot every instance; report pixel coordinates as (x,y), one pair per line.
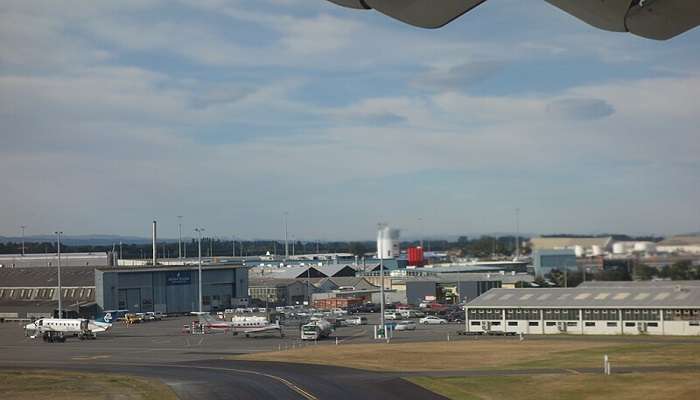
(653,19)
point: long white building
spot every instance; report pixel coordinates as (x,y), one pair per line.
(587,311)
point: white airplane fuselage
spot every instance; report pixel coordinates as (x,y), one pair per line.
(62,327)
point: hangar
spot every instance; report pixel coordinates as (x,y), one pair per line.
(171,289)
(587,311)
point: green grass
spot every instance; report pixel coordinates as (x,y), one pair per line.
(39,385)
(627,355)
(652,386)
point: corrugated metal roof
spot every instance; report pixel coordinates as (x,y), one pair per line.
(563,242)
(688,297)
(681,240)
(46,277)
(638,284)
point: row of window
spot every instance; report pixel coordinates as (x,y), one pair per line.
(587,314)
(609,324)
(44,293)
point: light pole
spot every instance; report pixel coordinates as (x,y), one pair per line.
(381,288)
(179,239)
(23,227)
(60,294)
(517,233)
(199,262)
(286,242)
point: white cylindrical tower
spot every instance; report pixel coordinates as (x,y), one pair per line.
(387,242)
(579,251)
(597,250)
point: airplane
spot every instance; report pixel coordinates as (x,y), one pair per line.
(56,330)
(652,19)
(245,325)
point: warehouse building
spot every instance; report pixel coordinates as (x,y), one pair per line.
(587,311)
(33,292)
(51,260)
(279,292)
(171,289)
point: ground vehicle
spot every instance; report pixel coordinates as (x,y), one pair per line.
(411,313)
(405,326)
(392,315)
(132,318)
(315,330)
(356,320)
(432,320)
(338,311)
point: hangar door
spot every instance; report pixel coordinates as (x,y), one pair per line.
(130,299)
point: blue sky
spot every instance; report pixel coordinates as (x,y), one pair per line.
(231,112)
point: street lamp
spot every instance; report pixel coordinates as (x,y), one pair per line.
(60,294)
(179,240)
(199,262)
(381,286)
(23,227)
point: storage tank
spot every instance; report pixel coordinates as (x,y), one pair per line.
(597,250)
(644,247)
(619,248)
(579,251)
(387,242)
(415,256)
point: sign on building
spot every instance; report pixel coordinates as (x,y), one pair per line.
(179,278)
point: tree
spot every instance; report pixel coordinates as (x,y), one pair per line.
(643,272)
(357,248)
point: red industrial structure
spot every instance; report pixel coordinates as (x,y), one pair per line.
(415,256)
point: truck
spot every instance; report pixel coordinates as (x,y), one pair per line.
(316,330)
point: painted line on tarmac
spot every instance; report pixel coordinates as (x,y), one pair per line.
(291,385)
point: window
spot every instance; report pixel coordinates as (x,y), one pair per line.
(474,323)
(653,324)
(612,324)
(551,323)
(512,323)
(496,323)
(629,324)
(571,323)
(590,324)
(694,323)
(534,323)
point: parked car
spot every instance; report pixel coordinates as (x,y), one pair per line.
(392,316)
(151,316)
(405,326)
(412,313)
(338,311)
(432,320)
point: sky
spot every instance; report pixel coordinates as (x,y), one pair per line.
(232,112)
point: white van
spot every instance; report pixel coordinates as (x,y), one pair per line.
(356,320)
(392,316)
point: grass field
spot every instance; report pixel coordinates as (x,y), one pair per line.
(39,385)
(506,354)
(661,386)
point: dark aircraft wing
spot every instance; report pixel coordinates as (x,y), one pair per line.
(654,19)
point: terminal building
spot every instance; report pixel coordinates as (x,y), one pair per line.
(171,289)
(652,310)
